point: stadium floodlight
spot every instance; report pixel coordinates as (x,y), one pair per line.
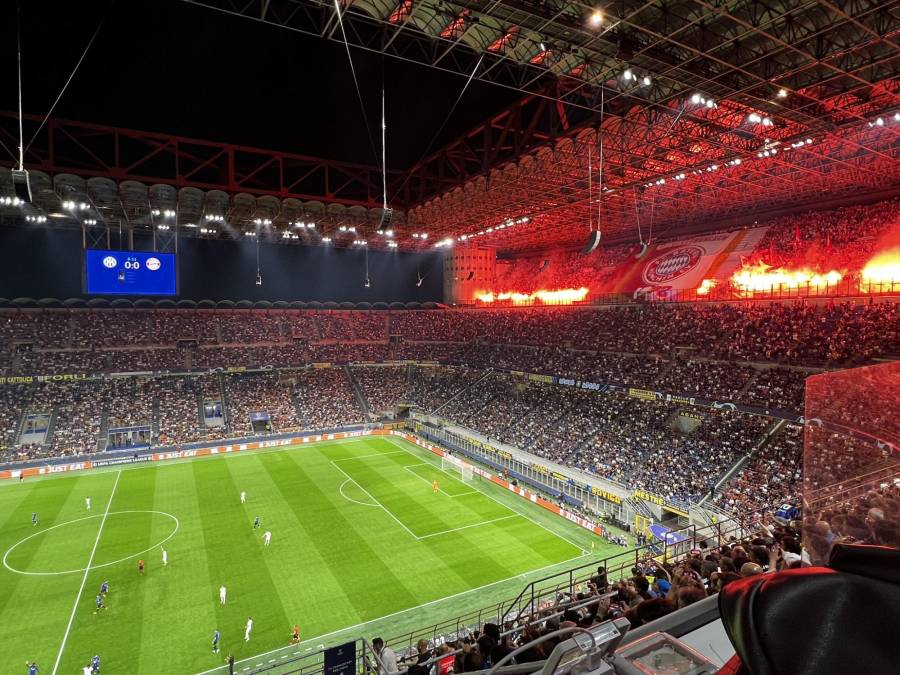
(596,18)
(646,81)
(695,98)
(897,116)
(326,240)
(880,121)
(782,93)
(627,74)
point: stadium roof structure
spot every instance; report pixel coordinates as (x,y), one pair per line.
(705,113)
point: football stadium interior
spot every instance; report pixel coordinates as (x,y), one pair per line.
(422,337)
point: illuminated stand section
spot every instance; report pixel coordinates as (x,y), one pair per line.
(851,463)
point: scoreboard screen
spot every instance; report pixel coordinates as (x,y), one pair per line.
(130,273)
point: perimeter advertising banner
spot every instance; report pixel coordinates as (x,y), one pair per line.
(683,264)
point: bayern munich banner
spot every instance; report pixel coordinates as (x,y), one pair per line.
(683,264)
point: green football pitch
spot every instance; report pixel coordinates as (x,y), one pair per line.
(361,545)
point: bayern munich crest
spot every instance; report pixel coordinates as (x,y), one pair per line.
(673,264)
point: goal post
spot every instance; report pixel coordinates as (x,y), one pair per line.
(455,466)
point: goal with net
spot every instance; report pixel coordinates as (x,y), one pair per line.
(454,465)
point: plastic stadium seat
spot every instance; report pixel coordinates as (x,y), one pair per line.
(831,620)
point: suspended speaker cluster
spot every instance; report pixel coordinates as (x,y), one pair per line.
(592,243)
(21,184)
(387,215)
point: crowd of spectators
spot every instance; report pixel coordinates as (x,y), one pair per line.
(560,269)
(650,589)
(776,389)
(265,393)
(628,345)
(325,399)
(639,443)
(179,408)
(772,476)
(841,239)
(382,386)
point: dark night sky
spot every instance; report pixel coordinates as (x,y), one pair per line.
(167,66)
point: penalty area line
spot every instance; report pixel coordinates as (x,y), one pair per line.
(369,495)
(87,570)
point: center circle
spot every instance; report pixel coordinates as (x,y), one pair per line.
(110,522)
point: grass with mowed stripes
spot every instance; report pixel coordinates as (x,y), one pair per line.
(361,543)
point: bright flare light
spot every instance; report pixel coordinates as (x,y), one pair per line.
(882,272)
(706,286)
(763,277)
(564,296)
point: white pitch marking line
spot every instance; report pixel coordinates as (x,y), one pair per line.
(386,509)
(409,468)
(350,499)
(565,539)
(466,527)
(374,454)
(399,612)
(96,567)
(87,571)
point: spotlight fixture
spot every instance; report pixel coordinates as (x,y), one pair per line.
(326,240)
(168,213)
(627,74)
(36,219)
(596,18)
(782,93)
(646,81)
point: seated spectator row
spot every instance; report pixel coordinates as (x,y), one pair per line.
(791,334)
(644,444)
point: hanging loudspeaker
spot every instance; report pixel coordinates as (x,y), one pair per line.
(387,215)
(544,265)
(471,276)
(21,184)
(642,252)
(592,243)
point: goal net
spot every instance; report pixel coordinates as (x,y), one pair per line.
(455,466)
